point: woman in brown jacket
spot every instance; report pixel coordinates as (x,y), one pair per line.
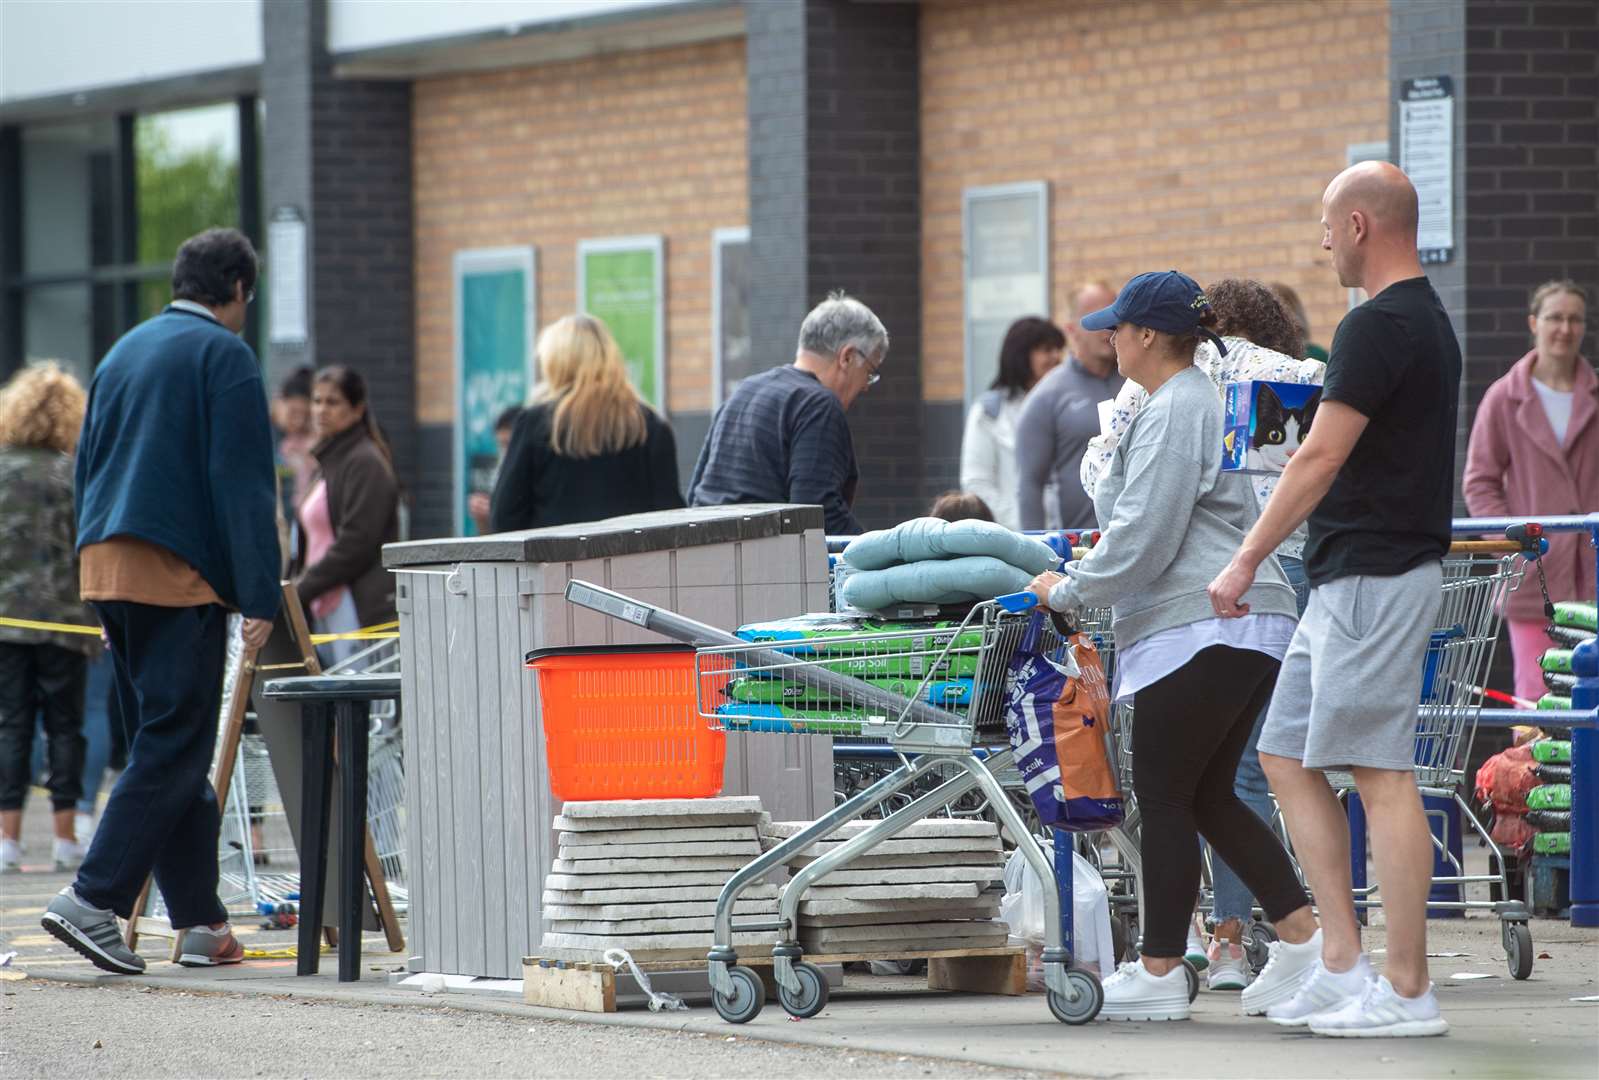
(349,513)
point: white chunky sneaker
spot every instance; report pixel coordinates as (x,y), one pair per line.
(1381,1013)
(1194,951)
(1229,968)
(1286,968)
(1132,993)
(10,857)
(1322,991)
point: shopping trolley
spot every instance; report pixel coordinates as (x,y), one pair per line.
(943,730)
(1476,577)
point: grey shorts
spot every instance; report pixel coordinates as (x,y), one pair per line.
(1350,686)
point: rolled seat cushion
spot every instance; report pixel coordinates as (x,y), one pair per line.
(934,581)
(921,539)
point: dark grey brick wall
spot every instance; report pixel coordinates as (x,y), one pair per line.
(1531,170)
(834,176)
(340,152)
(432,500)
(1427,38)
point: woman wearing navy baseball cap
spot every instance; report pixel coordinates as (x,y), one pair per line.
(1170,519)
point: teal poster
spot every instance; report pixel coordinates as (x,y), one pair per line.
(621,285)
(493,334)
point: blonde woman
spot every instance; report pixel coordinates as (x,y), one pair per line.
(41,671)
(587,447)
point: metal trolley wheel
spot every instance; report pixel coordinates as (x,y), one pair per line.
(1518,949)
(1257,944)
(1090,997)
(746,1000)
(812,997)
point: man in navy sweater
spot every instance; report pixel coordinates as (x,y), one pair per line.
(175,501)
(782,435)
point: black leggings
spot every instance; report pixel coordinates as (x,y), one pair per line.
(1189,730)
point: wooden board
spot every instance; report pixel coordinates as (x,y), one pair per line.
(564,985)
(979,974)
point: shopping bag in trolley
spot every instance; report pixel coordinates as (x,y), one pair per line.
(1057,707)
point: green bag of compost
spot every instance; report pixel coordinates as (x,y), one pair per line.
(1549,797)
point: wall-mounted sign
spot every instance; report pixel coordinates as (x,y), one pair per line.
(621,281)
(1427,155)
(288,299)
(495,321)
(730,312)
(1005,238)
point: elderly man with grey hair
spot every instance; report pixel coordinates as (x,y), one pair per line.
(782,436)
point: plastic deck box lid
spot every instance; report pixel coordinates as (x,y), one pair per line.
(632,534)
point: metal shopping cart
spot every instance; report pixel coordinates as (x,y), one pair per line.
(1477,575)
(943,728)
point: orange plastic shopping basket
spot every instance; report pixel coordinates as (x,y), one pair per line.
(622,722)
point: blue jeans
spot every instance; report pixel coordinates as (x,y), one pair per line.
(1233,900)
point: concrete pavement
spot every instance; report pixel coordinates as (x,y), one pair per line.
(1499,1027)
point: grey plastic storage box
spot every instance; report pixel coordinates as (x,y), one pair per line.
(478,802)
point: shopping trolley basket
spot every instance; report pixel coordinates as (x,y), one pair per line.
(923,721)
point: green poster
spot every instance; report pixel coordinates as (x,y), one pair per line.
(493,336)
(622,286)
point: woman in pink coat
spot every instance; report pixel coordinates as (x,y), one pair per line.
(1534,452)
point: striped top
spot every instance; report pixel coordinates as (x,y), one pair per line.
(781,437)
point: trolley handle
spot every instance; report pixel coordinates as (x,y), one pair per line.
(1017,602)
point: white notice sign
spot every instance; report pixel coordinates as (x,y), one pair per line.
(1426,154)
(286,292)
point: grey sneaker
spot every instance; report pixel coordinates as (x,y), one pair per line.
(91,931)
(205,947)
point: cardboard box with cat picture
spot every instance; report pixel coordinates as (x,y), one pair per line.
(1263,423)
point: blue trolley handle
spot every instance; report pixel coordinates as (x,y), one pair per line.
(1017,602)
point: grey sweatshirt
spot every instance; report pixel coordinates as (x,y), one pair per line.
(1171,521)
(1060,416)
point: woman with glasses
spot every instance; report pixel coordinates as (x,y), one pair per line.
(587,446)
(1534,451)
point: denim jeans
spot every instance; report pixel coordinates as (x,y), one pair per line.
(1233,899)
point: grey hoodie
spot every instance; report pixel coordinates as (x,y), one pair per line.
(1171,521)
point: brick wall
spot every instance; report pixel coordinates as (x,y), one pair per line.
(646,142)
(1196,134)
(1532,169)
(834,204)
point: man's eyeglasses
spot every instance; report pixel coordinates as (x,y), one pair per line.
(249,297)
(872,374)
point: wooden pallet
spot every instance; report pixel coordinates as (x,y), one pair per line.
(585,986)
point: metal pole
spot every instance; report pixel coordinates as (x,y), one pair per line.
(1585,779)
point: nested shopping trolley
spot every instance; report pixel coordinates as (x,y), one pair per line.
(1476,577)
(935,696)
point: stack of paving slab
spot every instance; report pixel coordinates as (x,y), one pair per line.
(933,886)
(643,875)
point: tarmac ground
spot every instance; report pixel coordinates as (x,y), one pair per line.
(62,1017)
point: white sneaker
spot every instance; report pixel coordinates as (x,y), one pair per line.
(1287,967)
(1229,968)
(68,855)
(83,828)
(1194,951)
(1382,1013)
(1132,993)
(1323,991)
(10,857)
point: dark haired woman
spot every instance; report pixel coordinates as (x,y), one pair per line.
(349,513)
(1169,516)
(1031,348)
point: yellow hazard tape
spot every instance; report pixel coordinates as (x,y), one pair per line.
(376,632)
(291,953)
(53,627)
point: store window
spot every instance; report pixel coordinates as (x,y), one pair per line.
(104,204)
